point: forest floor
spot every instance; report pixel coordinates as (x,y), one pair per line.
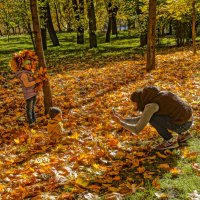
(99,159)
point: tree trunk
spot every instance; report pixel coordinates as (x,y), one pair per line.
(43,17)
(194,27)
(109,22)
(151,36)
(57,18)
(50,27)
(92,23)
(114,21)
(170,28)
(40,53)
(27,25)
(31,35)
(79,15)
(143,39)
(109,29)
(44,38)
(183,32)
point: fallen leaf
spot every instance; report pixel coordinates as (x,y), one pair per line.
(161,195)
(164,166)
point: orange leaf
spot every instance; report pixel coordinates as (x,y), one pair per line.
(116,178)
(136,163)
(164,166)
(161,155)
(140,169)
(175,171)
(156,183)
(2,187)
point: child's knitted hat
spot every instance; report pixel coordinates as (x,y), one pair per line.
(53,111)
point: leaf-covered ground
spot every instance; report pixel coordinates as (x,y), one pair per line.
(99,158)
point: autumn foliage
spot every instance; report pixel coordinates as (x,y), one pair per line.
(98,157)
(18,59)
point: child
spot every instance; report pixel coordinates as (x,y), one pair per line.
(28,83)
(55,125)
(164,111)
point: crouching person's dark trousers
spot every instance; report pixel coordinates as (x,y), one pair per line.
(163,123)
(30,109)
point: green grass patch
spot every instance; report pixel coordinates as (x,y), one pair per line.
(126,45)
(176,187)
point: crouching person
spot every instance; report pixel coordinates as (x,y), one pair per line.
(164,111)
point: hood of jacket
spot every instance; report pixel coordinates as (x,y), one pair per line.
(145,96)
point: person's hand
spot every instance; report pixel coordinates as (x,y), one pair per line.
(116,117)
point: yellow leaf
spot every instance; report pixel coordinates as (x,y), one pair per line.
(75,136)
(16,140)
(33,131)
(31,169)
(82,182)
(96,166)
(175,171)
(2,187)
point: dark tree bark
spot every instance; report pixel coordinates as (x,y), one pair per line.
(50,27)
(109,9)
(194,27)
(143,33)
(44,38)
(143,39)
(30,32)
(183,32)
(27,25)
(40,53)
(114,21)
(43,17)
(79,15)
(92,23)
(170,27)
(57,18)
(150,65)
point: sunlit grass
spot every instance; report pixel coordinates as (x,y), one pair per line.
(124,45)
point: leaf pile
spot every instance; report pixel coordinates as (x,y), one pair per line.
(98,157)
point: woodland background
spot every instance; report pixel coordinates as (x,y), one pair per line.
(96,54)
